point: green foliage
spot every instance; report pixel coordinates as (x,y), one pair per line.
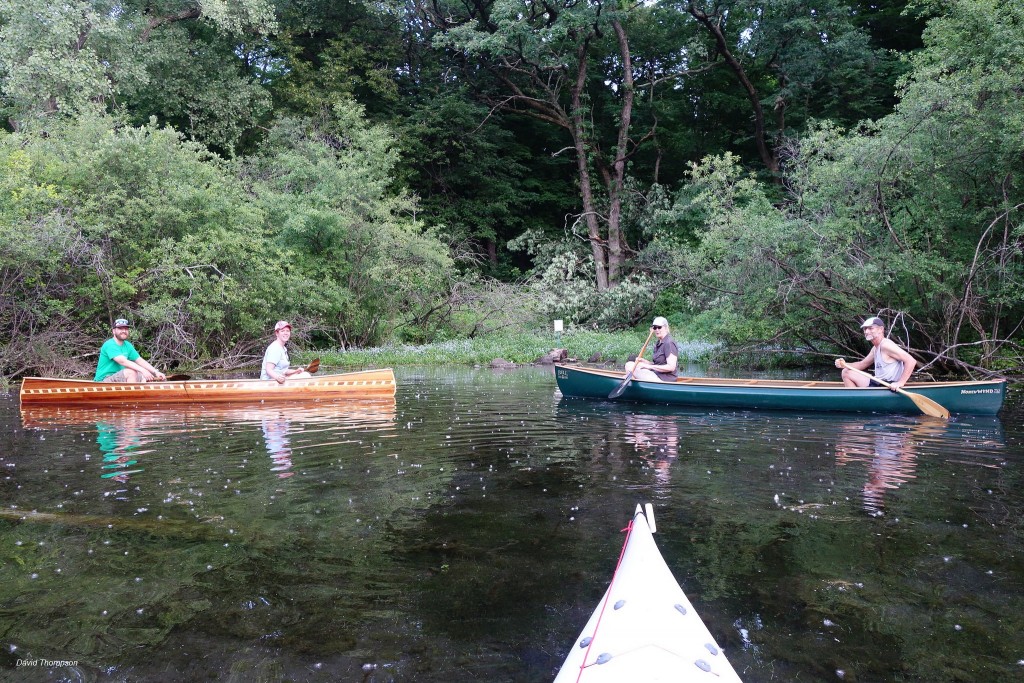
(137,223)
(470,178)
(523,346)
(103,220)
(179,61)
(62,57)
(196,83)
(916,216)
(387,160)
(325,188)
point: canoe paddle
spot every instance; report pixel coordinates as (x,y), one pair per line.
(924,404)
(311,368)
(617,391)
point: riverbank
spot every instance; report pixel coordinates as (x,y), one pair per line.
(519,348)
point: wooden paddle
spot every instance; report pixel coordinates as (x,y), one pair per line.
(924,404)
(313,366)
(617,391)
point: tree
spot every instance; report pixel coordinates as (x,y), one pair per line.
(104,220)
(916,216)
(325,186)
(794,58)
(179,60)
(540,60)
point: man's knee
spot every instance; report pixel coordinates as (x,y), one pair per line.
(646,375)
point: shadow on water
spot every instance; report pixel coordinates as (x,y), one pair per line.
(466,529)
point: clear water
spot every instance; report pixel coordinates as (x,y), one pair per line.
(466,531)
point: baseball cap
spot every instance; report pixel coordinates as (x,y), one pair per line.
(872,321)
(281,324)
(659,322)
(121,322)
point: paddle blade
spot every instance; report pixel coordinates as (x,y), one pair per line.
(313,366)
(178,378)
(927,405)
(618,391)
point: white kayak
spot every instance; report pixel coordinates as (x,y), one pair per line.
(645,629)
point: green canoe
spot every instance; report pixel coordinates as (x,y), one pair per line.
(980,398)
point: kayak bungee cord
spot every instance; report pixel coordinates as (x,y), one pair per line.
(607,597)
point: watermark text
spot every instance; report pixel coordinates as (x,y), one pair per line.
(54,663)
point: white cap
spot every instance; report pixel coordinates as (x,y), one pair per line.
(281,324)
(659,322)
(872,321)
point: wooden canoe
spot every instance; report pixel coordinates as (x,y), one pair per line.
(645,629)
(363,384)
(980,398)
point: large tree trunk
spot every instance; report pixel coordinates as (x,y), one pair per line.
(616,243)
(713,25)
(579,139)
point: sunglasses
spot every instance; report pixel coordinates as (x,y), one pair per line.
(655,327)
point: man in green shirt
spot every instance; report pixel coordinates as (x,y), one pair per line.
(120,362)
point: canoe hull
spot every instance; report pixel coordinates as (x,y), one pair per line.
(50,391)
(645,628)
(978,398)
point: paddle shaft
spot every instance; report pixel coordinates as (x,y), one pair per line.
(924,404)
(617,391)
(313,366)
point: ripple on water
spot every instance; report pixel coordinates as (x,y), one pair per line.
(436,534)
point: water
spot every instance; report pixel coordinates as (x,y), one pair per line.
(466,530)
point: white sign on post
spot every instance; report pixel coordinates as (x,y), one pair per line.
(558,326)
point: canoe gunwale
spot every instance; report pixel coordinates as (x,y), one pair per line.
(773,383)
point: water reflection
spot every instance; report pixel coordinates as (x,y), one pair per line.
(890,450)
(122,431)
(874,455)
(275,433)
(119,441)
(655,439)
(432,543)
(890,455)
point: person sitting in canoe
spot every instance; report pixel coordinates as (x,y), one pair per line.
(891,363)
(276,361)
(664,364)
(120,362)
